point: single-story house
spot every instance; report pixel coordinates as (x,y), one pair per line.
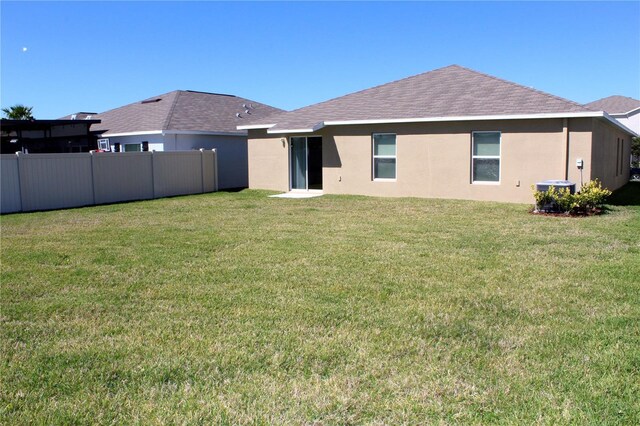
(47,136)
(623,108)
(448,133)
(183,120)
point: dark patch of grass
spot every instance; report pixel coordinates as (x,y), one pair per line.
(628,195)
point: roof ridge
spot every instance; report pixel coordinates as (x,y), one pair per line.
(138,101)
(524,87)
(375,87)
(167,121)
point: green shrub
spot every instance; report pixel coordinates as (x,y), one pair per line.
(544,199)
(591,197)
(565,200)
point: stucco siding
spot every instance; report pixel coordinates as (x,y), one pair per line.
(435,159)
(268,161)
(611,155)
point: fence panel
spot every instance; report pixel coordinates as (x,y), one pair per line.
(209,170)
(9,184)
(52,181)
(124,176)
(177,173)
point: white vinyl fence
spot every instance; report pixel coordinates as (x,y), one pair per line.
(31,182)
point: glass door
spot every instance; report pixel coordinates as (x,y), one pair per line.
(298,163)
(306,162)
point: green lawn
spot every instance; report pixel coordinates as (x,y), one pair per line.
(242,309)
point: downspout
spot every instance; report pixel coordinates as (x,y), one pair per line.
(565,136)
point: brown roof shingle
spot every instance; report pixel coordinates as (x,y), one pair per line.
(183,110)
(452,91)
(615,104)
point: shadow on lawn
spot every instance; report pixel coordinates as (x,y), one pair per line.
(628,195)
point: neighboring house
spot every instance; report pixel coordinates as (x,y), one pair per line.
(181,121)
(449,133)
(624,109)
(47,136)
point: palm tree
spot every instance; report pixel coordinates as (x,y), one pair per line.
(18,112)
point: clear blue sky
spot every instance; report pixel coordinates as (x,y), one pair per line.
(87,56)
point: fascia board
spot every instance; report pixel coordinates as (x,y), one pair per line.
(254,126)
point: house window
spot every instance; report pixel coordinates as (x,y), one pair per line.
(486,157)
(103,144)
(617,155)
(384,156)
(132,147)
(621,155)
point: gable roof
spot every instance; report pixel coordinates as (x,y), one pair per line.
(445,94)
(615,104)
(182,111)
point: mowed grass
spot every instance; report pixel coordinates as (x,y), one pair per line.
(241,309)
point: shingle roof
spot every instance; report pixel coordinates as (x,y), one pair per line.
(182,110)
(615,104)
(453,91)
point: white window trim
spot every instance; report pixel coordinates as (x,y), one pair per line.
(103,144)
(374,156)
(122,146)
(488,157)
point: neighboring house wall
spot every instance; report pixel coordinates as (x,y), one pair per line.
(435,159)
(232,152)
(632,121)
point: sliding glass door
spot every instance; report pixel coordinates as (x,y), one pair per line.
(299,163)
(306,162)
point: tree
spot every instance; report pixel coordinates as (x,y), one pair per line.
(635,151)
(18,112)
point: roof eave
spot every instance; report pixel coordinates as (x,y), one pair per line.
(254,126)
(174,132)
(320,125)
(616,123)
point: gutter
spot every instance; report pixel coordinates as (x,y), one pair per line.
(174,132)
(321,124)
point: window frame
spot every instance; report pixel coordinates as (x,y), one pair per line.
(618,157)
(621,155)
(132,144)
(374,157)
(104,144)
(486,157)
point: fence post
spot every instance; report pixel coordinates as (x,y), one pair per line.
(153,175)
(202,169)
(215,171)
(19,179)
(93,178)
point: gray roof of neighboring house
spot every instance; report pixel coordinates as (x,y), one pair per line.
(182,110)
(615,104)
(452,91)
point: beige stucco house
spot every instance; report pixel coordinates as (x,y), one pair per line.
(449,133)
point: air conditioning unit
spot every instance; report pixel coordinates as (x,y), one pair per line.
(558,184)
